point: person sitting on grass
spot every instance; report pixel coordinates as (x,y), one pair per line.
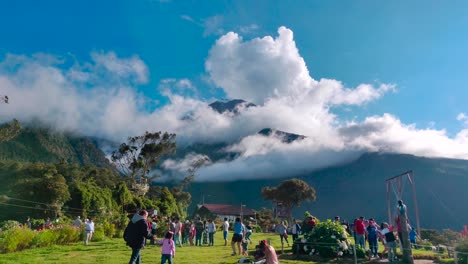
(270,254)
(168,248)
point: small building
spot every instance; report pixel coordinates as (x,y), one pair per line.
(212,211)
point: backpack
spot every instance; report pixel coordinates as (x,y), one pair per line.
(372,232)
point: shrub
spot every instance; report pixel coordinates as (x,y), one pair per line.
(66,235)
(109,229)
(462,251)
(327,238)
(44,238)
(9,224)
(98,234)
(16,239)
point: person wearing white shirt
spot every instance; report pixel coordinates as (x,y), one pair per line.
(225,230)
(89,229)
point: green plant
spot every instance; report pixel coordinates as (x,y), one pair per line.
(66,235)
(44,238)
(15,239)
(109,229)
(327,238)
(9,224)
(462,251)
(98,234)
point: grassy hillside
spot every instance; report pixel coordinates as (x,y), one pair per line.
(43,145)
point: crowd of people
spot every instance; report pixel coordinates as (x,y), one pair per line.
(139,229)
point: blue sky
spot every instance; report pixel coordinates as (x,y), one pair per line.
(419,46)
(352,76)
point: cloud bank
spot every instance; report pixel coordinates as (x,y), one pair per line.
(100,98)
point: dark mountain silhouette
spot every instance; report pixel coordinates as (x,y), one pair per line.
(232,106)
(358,188)
(285,136)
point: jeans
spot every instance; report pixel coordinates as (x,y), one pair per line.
(198,238)
(295,237)
(247,236)
(360,240)
(135,258)
(391,250)
(374,246)
(167,257)
(177,240)
(211,239)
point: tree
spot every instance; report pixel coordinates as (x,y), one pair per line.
(290,193)
(10,130)
(139,155)
(46,187)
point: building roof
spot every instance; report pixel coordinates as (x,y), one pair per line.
(226,209)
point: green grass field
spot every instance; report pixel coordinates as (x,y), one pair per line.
(115,251)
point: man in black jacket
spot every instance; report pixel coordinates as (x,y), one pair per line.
(135,235)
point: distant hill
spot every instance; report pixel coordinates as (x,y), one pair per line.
(358,188)
(285,136)
(232,106)
(35,144)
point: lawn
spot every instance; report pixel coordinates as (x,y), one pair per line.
(115,251)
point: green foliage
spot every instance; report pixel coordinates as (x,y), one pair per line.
(109,229)
(44,238)
(9,131)
(140,154)
(326,238)
(164,201)
(290,193)
(9,224)
(99,234)
(462,249)
(66,235)
(265,218)
(434,236)
(15,239)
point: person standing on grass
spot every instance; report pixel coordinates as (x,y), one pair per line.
(192,234)
(282,230)
(177,232)
(295,230)
(186,232)
(360,231)
(89,229)
(238,235)
(135,235)
(168,248)
(390,240)
(225,230)
(211,227)
(199,228)
(372,232)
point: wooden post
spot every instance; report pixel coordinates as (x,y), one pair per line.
(407,251)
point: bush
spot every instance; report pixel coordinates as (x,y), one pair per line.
(9,224)
(44,238)
(109,229)
(327,238)
(16,239)
(98,234)
(66,235)
(462,251)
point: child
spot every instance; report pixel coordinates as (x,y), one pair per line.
(168,248)
(245,247)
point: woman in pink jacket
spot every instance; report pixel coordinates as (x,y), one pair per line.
(168,248)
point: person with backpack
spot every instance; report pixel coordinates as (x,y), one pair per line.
(199,228)
(135,235)
(390,240)
(168,248)
(186,232)
(372,236)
